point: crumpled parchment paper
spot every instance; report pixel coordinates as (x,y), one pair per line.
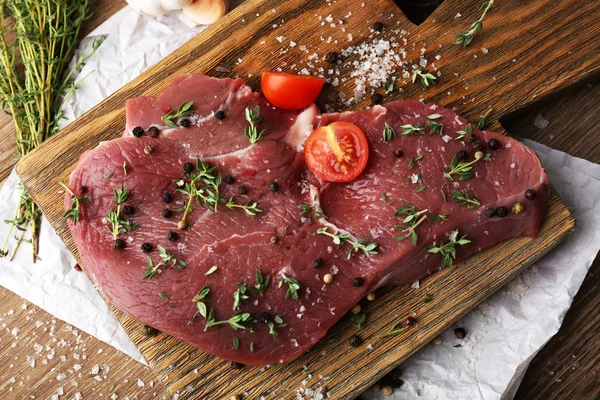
(504,333)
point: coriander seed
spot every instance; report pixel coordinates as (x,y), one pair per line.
(327,278)
(356,309)
(148,150)
(518,208)
(371,296)
(479,155)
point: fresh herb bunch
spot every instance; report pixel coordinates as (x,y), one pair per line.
(167,259)
(462,169)
(465,38)
(33,77)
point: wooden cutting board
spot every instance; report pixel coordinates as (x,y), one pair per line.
(532,51)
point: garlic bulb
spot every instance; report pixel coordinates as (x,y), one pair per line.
(205,12)
(154,8)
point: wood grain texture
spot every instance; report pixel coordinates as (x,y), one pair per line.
(509,79)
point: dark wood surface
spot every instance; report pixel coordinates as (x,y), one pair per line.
(576,112)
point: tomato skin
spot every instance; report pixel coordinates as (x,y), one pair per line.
(337,152)
(291,92)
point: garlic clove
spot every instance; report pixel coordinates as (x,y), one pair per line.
(152,8)
(174,4)
(205,12)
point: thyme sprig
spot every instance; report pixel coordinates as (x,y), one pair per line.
(465,38)
(239,295)
(118,223)
(237,321)
(481,122)
(389,86)
(427,78)
(435,126)
(413,218)
(167,260)
(311,211)
(251,207)
(200,301)
(462,169)
(388,133)
(462,134)
(73,213)
(412,161)
(280,324)
(448,250)
(184,110)
(359,319)
(410,129)
(262,281)
(253,118)
(340,238)
(293,287)
(463,199)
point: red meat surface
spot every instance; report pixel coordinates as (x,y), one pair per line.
(282,241)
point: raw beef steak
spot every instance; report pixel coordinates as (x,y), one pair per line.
(202,288)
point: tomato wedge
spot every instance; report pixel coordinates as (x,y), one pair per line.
(291,92)
(337,152)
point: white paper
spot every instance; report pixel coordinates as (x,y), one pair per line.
(504,333)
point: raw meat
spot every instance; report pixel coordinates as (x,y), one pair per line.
(281,241)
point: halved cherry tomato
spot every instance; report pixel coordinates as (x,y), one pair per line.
(337,152)
(291,92)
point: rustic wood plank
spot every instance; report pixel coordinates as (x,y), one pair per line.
(218,47)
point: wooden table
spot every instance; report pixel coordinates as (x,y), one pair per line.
(567,367)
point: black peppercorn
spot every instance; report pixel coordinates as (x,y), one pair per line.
(274,186)
(185,123)
(228,179)
(355,341)
(138,131)
(274,239)
(462,155)
(147,247)
(83,189)
(263,317)
(167,213)
(398,153)
(119,244)
(128,210)
(172,236)
(331,57)
(501,211)
(530,194)
(410,321)
(490,212)
(378,26)
(470,137)
(166,197)
(376,98)
(392,381)
(478,145)
(460,333)
(150,331)
(236,365)
(493,144)
(318,262)
(153,132)
(241,189)
(220,114)
(357,282)
(188,167)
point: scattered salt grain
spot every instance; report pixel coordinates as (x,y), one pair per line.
(140,383)
(540,122)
